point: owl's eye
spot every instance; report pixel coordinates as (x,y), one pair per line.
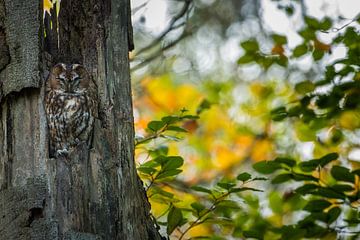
(61,82)
(61,79)
(76,82)
(77,79)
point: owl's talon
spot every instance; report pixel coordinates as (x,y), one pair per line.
(63,152)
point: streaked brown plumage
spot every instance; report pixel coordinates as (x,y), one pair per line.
(71,106)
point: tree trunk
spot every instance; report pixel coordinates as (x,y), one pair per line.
(95,193)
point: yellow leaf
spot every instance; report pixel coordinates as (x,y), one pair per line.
(357,76)
(169,96)
(259,89)
(304,132)
(225,157)
(350,120)
(262,150)
(200,230)
(47,5)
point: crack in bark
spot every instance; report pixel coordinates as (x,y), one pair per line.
(4,50)
(9,148)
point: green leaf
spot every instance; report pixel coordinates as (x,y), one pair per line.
(250,45)
(304,87)
(342,187)
(193,117)
(329,193)
(160,150)
(253,234)
(174,219)
(155,125)
(157,190)
(356,172)
(326,24)
(266,167)
(317,54)
(243,176)
(198,207)
(333,214)
(317,205)
(162,160)
(146,170)
(307,34)
(259,179)
(228,204)
(287,161)
(292,232)
(279,39)
(226,185)
(303,177)
(276,202)
(169,173)
(201,189)
(150,164)
(300,50)
(328,158)
(170,119)
(342,174)
(306,189)
(173,163)
(309,166)
(281,60)
(282,178)
(242,189)
(278,114)
(247,58)
(289,9)
(205,104)
(175,129)
(312,22)
(317,216)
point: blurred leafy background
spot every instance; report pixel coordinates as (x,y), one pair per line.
(247,116)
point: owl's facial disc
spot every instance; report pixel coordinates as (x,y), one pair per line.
(69,79)
(76,87)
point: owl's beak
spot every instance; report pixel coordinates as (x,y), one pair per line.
(69,88)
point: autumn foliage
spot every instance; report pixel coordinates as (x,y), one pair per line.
(266,158)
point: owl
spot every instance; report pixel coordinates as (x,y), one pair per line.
(71,106)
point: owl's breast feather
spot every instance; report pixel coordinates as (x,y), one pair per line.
(73,104)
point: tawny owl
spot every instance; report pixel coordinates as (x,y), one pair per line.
(71,106)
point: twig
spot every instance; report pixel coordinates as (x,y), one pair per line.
(198,220)
(169,28)
(157,54)
(152,136)
(133,11)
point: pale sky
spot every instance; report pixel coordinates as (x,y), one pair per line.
(275,20)
(155,12)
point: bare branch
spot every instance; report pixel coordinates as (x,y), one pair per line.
(158,53)
(171,27)
(138,8)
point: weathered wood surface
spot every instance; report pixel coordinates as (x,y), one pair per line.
(22,127)
(22,25)
(92,194)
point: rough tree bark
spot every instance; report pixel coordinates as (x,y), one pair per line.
(97,193)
